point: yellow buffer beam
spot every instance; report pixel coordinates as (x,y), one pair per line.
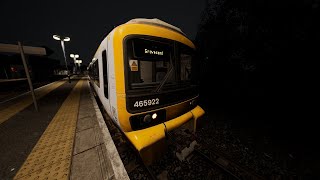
(146,137)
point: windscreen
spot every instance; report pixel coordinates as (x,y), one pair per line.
(157,64)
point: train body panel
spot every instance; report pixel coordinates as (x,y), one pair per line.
(120,33)
(113,82)
(105,87)
(142,74)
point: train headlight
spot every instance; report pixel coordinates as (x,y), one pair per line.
(193,102)
(154,115)
(147,118)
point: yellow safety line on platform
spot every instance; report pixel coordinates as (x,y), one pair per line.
(51,156)
(13,109)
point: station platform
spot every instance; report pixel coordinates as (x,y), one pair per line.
(66,139)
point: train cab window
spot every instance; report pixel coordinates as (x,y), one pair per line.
(185,68)
(150,62)
(105,73)
(185,60)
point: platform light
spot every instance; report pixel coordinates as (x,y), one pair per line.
(75,56)
(63,39)
(66,39)
(56,37)
(59,38)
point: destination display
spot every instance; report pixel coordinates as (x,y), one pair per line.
(151,49)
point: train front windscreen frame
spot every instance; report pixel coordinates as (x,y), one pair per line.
(158,72)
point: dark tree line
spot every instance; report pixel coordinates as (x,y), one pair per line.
(258,66)
(255,54)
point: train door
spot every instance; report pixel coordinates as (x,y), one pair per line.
(105,79)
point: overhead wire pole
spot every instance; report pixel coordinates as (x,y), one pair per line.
(28,76)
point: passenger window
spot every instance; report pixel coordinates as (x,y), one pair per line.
(105,73)
(96,75)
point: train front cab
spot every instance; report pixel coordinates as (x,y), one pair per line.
(159,92)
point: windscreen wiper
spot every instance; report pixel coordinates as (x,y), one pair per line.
(164,80)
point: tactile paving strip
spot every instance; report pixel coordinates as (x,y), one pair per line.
(51,157)
(10,111)
(58,171)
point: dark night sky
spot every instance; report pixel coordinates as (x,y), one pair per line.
(85,22)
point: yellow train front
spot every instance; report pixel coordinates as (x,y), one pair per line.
(150,69)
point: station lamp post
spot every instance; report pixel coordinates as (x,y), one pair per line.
(63,39)
(79,63)
(74,57)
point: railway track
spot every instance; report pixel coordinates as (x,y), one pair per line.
(231,168)
(203,162)
(220,166)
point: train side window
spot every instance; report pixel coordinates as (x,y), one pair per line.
(105,73)
(96,75)
(91,72)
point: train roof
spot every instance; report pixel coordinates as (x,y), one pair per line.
(156,22)
(153,21)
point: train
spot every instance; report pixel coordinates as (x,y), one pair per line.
(143,73)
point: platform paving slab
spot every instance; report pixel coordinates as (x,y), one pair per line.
(93,153)
(20,133)
(86,165)
(91,157)
(45,163)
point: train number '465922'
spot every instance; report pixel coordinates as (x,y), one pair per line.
(147,102)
